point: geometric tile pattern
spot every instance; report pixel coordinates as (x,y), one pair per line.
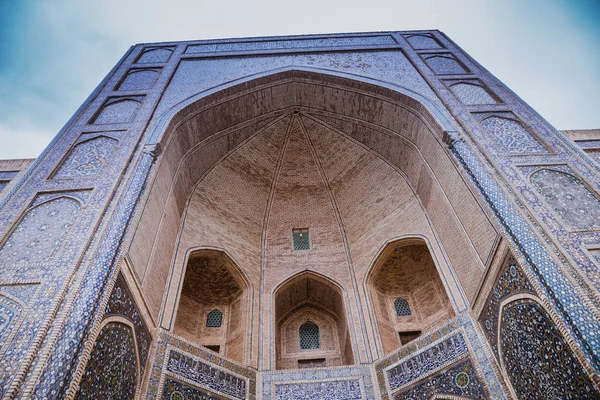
(121,304)
(174,390)
(140,79)
(87,158)
(511,280)
(569,197)
(118,110)
(111,371)
(10,311)
(424,363)
(458,380)
(444,64)
(537,358)
(40,233)
(214,319)
(422,42)
(155,55)
(205,375)
(511,136)
(470,93)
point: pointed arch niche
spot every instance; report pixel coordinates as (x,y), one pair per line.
(212,305)
(311,329)
(407,293)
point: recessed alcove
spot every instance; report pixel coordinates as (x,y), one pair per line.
(407,293)
(311,327)
(211,310)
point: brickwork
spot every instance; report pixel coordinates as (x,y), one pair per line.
(188,170)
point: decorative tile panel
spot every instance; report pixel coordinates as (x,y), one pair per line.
(174,390)
(291,44)
(154,55)
(206,375)
(111,372)
(431,359)
(509,134)
(471,92)
(537,358)
(422,42)
(337,390)
(458,380)
(40,233)
(335,383)
(139,79)
(569,197)
(87,158)
(121,304)
(8,175)
(511,280)
(10,311)
(118,110)
(444,64)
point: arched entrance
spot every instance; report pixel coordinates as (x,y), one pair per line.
(349,163)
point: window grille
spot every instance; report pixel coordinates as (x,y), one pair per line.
(214,319)
(309,336)
(402,307)
(301,239)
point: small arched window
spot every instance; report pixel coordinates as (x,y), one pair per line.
(401,306)
(309,336)
(214,319)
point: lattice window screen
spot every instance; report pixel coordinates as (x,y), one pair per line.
(309,336)
(301,239)
(214,319)
(402,307)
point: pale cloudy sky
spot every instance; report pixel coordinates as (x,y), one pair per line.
(53,53)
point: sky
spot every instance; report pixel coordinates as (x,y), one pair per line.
(53,53)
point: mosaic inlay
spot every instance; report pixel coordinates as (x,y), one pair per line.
(511,136)
(569,197)
(87,158)
(140,79)
(111,371)
(537,359)
(155,55)
(10,311)
(121,303)
(335,390)
(471,93)
(444,64)
(118,110)
(174,390)
(206,375)
(427,361)
(423,42)
(459,380)
(41,232)
(511,280)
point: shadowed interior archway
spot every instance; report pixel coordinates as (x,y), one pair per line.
(372,158)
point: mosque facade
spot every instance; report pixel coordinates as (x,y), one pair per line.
(340,217)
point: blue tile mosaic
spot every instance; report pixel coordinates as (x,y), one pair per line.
(537,359)
(459,380)
(111,372)
(87,158)
(10,312)
(174,390)
(155,55)
(139,79)
(337,390)
(422,41)
(444,64)
(510,135)
(118,110)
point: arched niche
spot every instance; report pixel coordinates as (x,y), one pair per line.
(311,328)
(396,128)
(212,308)
(407,294)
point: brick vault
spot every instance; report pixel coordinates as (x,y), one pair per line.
(355,216)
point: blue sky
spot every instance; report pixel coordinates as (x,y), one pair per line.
(53,53)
